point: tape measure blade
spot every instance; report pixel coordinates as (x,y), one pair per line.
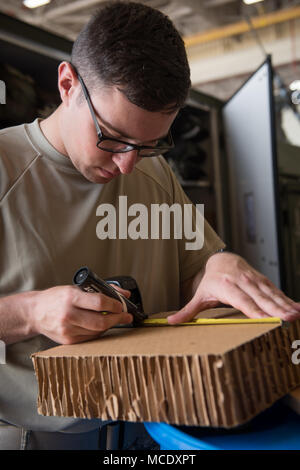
(214,321)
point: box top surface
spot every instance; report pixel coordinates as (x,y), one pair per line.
(165,340)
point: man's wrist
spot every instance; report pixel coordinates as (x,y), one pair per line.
(29,302)
(223,252)
(17,317)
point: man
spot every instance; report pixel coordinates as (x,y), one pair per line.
(128,78)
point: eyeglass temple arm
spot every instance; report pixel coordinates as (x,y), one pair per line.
(86,94)
(99,132)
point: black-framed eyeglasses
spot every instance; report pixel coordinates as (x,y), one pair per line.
(110,144)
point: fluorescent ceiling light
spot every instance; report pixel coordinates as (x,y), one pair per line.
(295,85)
(35,3)
(249,2)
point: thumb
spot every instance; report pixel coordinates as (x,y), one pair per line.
(188,312)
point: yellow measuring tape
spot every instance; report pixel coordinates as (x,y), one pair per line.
(212,321)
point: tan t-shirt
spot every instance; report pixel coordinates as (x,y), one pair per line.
(49,226)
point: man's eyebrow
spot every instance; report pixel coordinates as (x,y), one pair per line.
(118,131)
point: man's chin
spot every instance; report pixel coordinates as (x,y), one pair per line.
(97,179)
(95,175)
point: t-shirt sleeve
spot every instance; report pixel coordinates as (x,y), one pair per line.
(199,241)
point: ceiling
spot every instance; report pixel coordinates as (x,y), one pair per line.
(67,17)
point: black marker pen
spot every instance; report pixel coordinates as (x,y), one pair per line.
(90,282)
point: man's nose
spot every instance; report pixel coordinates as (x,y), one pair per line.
(125,161)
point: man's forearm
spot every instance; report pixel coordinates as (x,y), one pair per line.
(15,317)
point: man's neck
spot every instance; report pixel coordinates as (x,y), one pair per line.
(50,129)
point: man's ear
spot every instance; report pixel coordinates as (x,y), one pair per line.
(67,81)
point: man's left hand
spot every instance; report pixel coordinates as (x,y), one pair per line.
(230,280)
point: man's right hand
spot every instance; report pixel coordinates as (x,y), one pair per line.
(69,315)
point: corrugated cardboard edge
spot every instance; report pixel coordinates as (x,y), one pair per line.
(214,390)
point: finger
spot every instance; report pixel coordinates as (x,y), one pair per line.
(191,309)
(75,331)
(89,320)
(125,292)
(244,303)
(282,308)
(278,296)
(81,338)
(95,301)
(267,286)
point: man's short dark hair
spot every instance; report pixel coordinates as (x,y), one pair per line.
(136,48)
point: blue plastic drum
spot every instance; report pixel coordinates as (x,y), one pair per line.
(278,428)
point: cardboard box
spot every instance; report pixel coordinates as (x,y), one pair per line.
(219,376)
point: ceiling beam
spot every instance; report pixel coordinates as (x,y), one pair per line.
(38,40)
(242,27)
